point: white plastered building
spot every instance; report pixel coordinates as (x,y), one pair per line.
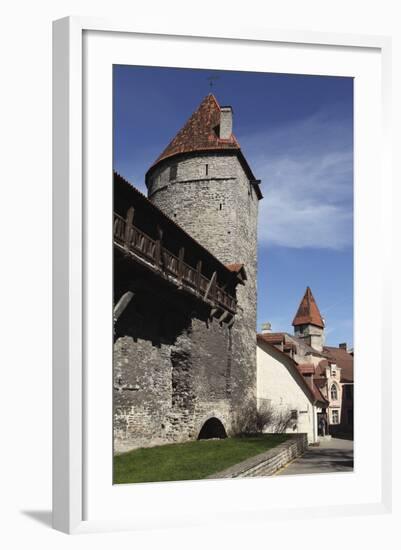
(284,386)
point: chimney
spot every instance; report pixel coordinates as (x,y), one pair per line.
(266,328)
(343,346)
(226,122)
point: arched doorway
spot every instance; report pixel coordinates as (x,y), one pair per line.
(212,428)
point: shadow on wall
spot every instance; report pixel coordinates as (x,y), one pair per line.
(212,429)
(147,317)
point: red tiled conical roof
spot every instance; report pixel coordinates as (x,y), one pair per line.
(308,312)
(200,133)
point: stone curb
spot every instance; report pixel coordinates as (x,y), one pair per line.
(267,463)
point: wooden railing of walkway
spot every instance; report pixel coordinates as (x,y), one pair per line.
(136,242)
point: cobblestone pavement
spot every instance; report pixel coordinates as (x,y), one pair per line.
(332,455)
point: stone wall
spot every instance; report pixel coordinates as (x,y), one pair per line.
(171,374)
(174,367)
(212,198)
(268,463)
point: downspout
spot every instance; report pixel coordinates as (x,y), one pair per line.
(314,413)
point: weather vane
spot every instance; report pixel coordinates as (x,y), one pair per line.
(211,79)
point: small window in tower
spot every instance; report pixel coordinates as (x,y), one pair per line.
(220,207)
(173,172)
(207,169)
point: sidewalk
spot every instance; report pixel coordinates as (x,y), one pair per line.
(333,455)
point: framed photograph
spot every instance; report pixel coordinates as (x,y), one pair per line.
(216,339)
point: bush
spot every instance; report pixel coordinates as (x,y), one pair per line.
(255,420)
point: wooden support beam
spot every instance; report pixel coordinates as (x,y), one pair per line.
(128,227)
(122,304)
(198,275)
(209,286)
(158,254)
(231,321)
(213,311)
(181,255)
(225,314)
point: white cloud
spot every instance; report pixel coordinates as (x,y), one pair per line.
(306,172)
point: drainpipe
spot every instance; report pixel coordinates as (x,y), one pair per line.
(314,412)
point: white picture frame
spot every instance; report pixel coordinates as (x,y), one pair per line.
(71,418)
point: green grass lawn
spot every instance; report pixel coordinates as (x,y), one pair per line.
(191,460)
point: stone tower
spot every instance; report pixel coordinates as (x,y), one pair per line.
(204,183)
(308,323)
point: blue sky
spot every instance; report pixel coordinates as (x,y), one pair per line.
(296,132)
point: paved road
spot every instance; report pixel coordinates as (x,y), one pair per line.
(332,455)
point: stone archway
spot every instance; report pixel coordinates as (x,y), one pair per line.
(213,428)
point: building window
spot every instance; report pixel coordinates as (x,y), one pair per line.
(207,169)
(173,172)
(335,417)
(294,415)
(333,392)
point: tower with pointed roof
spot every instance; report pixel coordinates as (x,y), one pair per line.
(308,323)
(203,181)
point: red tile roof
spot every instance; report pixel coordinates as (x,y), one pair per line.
(201,132)
(239,270)
(272,337)
(235,267)
(318,394)
(279,336)
(320,382)
(309,368)
(308,312)
(306,368)
(321,367)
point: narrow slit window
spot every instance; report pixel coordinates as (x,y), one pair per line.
(207,169)
(173,172)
